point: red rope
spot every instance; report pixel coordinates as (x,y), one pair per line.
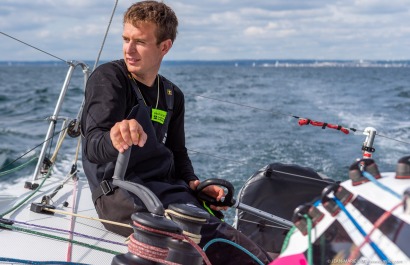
(152,253)
(303,121)
(148,252)
(376,225)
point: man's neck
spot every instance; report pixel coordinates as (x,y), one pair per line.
(148,81)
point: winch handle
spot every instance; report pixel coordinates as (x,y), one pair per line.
(148,198)
(228,200)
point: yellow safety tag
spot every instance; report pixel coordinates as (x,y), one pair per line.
(158,115)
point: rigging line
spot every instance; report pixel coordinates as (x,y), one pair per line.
(98,56)
(87,236)
(87,217)
(72,222)
(105,36)
(355,131)
(38,233)
(277,171)
(20,121)
(265,110)
(6,172)
(220,157)
(18,158)
(390,138)
(360,229)
(355,253)
(301,176)
(246,106)
(18,205)
(33,47)
(263,224)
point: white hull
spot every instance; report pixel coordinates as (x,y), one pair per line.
(298,243)
(21,245)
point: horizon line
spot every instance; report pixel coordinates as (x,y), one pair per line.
(222,60)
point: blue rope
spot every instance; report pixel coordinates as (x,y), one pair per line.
(377,183)
(235,245)
(378,251)
(22,261)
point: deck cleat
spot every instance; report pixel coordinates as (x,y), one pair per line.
(357,168)
(299,219)
(340,193)
(403,168)
(41,208)
(30,186)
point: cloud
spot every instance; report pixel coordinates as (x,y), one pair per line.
(215,29)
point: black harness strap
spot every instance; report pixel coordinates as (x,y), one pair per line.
(169,100)
(106,187)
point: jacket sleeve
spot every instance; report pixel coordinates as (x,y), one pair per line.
(105,104)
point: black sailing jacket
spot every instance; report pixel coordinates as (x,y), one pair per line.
(111,97)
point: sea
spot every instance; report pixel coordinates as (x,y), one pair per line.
(240,115)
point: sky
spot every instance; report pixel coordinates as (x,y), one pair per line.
(214,29)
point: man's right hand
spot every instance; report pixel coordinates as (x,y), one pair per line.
(127,133)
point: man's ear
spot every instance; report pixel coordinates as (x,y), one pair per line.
(166,46)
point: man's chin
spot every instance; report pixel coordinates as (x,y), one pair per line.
(133,69)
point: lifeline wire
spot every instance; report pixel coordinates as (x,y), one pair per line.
(325,124)
(274,112)
(18,158)
(102,45)
(25,43)
(277,112)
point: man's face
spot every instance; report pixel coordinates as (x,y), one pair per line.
(142,55)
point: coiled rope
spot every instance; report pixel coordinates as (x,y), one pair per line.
(133,247)
(195,237)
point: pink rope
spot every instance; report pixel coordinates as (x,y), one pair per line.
(377,224)
(72,223)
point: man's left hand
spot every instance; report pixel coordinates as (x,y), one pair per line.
(213,191)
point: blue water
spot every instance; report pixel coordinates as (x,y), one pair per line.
(239,115)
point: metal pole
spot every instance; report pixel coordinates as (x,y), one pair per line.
(53,118)
(368,143)
(262,214)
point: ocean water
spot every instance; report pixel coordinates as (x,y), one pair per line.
(239,115)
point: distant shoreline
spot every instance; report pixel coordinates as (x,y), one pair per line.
(247,63)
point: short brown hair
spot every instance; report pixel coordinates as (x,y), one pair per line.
(155,12)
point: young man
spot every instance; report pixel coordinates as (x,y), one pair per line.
(129,105)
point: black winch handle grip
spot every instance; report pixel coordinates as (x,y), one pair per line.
(122,164)
(148,198)
(227,201)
